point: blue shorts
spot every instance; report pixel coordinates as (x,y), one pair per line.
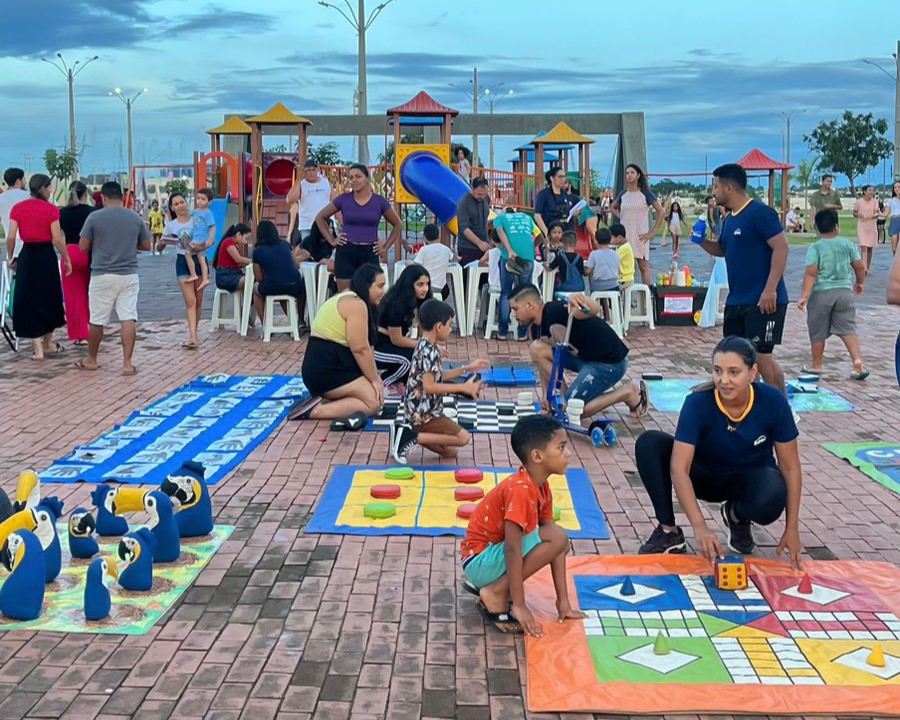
(594,378)
(181,268)
(488,566)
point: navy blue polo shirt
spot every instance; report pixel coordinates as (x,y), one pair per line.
(749,443)
(744,237)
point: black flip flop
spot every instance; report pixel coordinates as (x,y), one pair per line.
(357,421)
(502,618)
(470,588)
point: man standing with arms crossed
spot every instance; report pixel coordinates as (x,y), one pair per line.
(113,236)
(755,249)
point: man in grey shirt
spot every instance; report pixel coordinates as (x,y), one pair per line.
(472,213)
(113,236)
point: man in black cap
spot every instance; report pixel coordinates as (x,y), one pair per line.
(311,192)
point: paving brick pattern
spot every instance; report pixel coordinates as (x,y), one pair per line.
(282,624)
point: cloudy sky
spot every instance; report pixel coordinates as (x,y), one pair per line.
(709,77)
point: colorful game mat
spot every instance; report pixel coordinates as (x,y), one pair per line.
(215,419)
(481,416)
(427,506)
(132,613)
(668,396)
(513,375)
(880,461)
(769,649)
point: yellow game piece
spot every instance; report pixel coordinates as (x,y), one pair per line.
(660,645)
(876,657)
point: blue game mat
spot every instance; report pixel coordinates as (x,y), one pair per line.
(515,375)
(215,419)
(668,396)
(427,506)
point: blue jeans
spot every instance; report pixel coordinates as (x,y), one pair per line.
(594,378)
(508,282)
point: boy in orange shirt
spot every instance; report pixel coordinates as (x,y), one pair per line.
(512,535)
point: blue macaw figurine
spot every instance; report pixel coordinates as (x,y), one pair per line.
(107,522)
(162,519)
(82,543)
(97,602)
(53,507)
(194,517)
(22,595)
(136,549)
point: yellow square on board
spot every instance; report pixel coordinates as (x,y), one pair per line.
(353,516)
(568,520)
(368,478)
(822,655)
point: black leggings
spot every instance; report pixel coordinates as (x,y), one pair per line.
(758,494)
(393,362)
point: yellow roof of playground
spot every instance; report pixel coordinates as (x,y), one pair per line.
(561,133)
(278,114)
(232,126)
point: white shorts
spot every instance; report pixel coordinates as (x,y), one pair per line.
(108,292)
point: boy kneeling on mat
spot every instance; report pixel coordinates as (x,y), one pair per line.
(423,402)
(512,534)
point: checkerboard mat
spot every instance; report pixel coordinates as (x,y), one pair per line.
(481,417)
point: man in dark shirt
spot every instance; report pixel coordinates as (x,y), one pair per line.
(754,246)
(472,213)
(597,354)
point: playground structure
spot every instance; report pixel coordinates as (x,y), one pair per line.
(251,183)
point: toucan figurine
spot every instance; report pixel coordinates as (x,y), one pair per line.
(107,522)
(42,522)
(82,544)
(188,489)
(96,595)
(158,506)
(22,595)
(136,549)
(28,491)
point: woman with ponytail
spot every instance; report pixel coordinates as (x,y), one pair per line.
(75,286)
(230,258)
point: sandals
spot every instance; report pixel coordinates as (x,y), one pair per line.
(643,405)
(303,409)
(357,421)
(810,371)
(862,375)
(499,618)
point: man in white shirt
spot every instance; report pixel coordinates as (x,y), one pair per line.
(794,221)
(15,193)
(311,192)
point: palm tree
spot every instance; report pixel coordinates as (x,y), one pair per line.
(805,171)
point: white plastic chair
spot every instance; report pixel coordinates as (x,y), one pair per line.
(615,308)
(493,315)
(644,314)
(218,319)
(269,326)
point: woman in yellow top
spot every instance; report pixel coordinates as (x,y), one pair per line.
(157,222)
(339,365)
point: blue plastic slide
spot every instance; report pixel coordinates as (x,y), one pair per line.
(435,184)
(219,209)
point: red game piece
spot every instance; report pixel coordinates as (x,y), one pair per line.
(468,476)
(462,494)
(466,510)
(805,587)
(385,492)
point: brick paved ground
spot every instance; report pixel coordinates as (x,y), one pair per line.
(295,626)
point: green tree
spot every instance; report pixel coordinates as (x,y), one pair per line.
(804,173)
(177,186)
(325,154)
(852,145)
(60,165)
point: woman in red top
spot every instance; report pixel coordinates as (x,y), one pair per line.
(229,261)
(38,299)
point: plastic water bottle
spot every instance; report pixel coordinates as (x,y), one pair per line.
(698,233)
(673,271)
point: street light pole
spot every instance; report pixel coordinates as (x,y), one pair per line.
(492,98)
(896,78)
(70,73)
(360,23)
(788,117)
(128,102)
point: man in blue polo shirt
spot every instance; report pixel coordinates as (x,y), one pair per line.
(755,249)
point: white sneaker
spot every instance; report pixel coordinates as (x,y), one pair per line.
(403,439)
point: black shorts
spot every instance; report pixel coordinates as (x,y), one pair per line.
(746,321)
(350,258)
(328,366)
(294,289)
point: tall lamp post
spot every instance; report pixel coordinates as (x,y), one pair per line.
(896,78)
(788,118)
(493,97)
(359,22)
(128,102)
(70,73)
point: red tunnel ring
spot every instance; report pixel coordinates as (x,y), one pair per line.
(468,476)
(468,494)
(466,510)
(385,492)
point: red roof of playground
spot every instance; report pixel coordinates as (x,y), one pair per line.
(758,160)
(423,105)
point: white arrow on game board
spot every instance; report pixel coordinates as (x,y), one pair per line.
(641,593)
(820,595)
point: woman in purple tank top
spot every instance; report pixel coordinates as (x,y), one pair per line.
(361,212)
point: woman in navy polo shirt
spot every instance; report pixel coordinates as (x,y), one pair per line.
(728,437)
